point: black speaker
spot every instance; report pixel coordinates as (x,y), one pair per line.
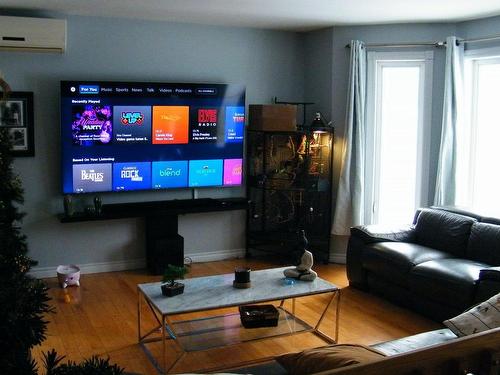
(163,251)
(163,244)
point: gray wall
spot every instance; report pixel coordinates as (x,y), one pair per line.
(318,59)
(311,66)
(269,63)
(479,29)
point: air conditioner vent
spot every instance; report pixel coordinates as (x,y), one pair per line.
(32,34)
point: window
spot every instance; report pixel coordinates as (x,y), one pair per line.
(398,113)
(478,181)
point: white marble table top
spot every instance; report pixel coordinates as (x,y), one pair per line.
(212,292)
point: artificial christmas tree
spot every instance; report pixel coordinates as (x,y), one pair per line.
(23,299)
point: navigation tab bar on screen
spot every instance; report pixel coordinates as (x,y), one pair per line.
(87,89)
(206,91)
(74,89)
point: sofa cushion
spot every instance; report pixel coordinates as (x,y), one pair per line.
(385,287)
(448,281)
(327,358)
(443,231)
(394,260)
(484,243)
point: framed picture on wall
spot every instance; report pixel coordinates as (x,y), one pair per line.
(16,114)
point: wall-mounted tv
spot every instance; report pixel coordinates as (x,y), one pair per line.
(123,136)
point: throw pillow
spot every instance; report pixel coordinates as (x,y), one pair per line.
(479,318)
(327,358)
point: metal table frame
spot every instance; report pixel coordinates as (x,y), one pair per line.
(166,329)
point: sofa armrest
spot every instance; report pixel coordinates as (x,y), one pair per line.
(488,284)
(492,273)
(418,341)
(380,233)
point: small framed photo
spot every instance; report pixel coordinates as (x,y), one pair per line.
(16,114)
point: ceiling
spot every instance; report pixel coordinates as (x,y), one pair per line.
(298,15)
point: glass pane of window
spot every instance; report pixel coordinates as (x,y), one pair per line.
(398,140)
(486,179)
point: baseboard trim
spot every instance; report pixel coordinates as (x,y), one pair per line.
(133,264)
(120,265)
(338,258)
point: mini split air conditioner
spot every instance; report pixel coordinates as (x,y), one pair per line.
(32,34)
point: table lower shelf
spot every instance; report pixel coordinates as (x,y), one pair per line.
(220,331)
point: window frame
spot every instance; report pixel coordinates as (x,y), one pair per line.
(376,62)
(473,60)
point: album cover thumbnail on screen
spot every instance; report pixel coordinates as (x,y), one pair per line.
(131,176)
(92,124)
(233,171)
(205,173)
(235,124)
(204,125)
(170,174)
(170,124)
(132,124)
(92,177)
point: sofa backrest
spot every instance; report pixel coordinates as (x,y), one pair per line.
(476,353)
(460,211)
(443,230)
(490,220)
(484,243)
(465,212)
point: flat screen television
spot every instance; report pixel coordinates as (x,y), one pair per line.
(124,136)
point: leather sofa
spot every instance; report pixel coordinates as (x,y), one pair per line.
(389,348)
(445,262)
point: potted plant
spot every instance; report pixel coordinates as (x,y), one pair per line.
(170,287)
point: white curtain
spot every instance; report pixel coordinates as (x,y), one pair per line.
(349,209)
(452,116)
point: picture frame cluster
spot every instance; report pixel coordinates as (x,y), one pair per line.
(16,114)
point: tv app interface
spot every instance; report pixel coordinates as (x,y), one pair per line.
(123,136)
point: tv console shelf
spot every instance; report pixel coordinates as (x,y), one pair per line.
(158,208)
(163,243)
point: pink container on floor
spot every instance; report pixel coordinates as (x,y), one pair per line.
(68,274)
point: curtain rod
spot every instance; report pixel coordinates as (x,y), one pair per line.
(401,45)
(432,44)
(479,40)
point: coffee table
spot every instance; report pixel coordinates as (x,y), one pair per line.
(217,292)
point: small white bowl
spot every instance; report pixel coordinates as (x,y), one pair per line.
(68,274)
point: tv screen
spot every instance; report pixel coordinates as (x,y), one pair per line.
(123,136)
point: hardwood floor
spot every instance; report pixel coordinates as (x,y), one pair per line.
(100,317)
